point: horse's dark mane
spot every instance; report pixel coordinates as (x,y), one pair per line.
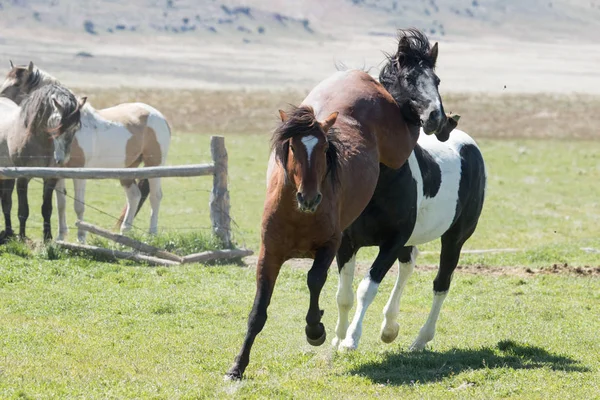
(413,49)
(37,108)
(301,121)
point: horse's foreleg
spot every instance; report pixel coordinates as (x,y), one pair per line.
(7,186)
(23,211)
(267,271)
(155,198)
(49,185)
(315,330)
(133,198)
(346,260)
(406,266)
(79,205)
(61,206)
(367,290)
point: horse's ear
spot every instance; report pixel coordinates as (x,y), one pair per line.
(283,116)
(12,66)
(81,101)
(329,121)
(56,104)
(30,67)
(433,53)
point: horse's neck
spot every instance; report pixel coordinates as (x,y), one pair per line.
(42,78)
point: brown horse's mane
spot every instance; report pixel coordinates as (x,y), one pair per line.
(302,121)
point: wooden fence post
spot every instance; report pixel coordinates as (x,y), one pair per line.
(219,197)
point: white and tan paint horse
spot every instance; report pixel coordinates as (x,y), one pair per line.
(121,136)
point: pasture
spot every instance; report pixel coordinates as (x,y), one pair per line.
(520,324)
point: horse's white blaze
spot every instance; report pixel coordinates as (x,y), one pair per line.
(309,142)
(435,215)
(428,330)
(345,299)
(61,155)
(390,327)
(426,85)
(365,294)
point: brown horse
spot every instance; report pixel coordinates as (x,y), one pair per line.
(36,133)
(322,174)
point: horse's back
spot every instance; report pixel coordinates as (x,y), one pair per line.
(450,177)
(133,129)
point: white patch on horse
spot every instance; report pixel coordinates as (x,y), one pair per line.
(345,299)
(435,215)
(309,142)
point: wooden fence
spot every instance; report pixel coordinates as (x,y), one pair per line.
(219,197)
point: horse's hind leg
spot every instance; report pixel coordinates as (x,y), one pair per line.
(315,330)
(267,270)
(79,205)
(61,208)
(367,289)
(346,260)
(452,242)
(133,198)
(23,211)
(155,198)
(406,266)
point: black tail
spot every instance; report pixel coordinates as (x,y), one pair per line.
(144,187)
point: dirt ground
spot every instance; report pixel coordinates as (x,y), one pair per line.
(491,65)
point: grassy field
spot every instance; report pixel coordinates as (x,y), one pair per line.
(75,327)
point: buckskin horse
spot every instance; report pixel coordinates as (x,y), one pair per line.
(439,192)
(121,136)
(36,133)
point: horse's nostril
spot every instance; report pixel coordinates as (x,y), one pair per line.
(299,197)
(318,199)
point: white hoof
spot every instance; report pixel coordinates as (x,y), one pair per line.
(390,333)
(417,346)
(61,236)
(125,229)
(348,345)
(336,342)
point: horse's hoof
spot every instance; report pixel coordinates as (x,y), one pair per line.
(417,346)
(348,345)
(336,342)
(233,375)
(316,335)
(390,334)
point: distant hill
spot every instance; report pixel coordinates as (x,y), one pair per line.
(537,19)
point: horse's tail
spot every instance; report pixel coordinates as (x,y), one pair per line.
(144,187)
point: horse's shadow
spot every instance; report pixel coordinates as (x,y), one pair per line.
(427,366)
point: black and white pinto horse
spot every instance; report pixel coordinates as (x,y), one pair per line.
(439,192)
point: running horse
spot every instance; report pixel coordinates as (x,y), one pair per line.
(37,133)
(322,172)
(121,136)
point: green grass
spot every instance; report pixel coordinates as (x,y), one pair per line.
(84,329)
(75,327)
(542,197)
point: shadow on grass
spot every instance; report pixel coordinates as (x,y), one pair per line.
(427,366)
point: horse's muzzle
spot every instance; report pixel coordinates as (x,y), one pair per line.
(308,205)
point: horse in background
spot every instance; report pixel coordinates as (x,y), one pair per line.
(37,133)
(439,192)
(121,136)
(322,172)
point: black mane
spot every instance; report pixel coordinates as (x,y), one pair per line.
(413,49)
(302,121)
